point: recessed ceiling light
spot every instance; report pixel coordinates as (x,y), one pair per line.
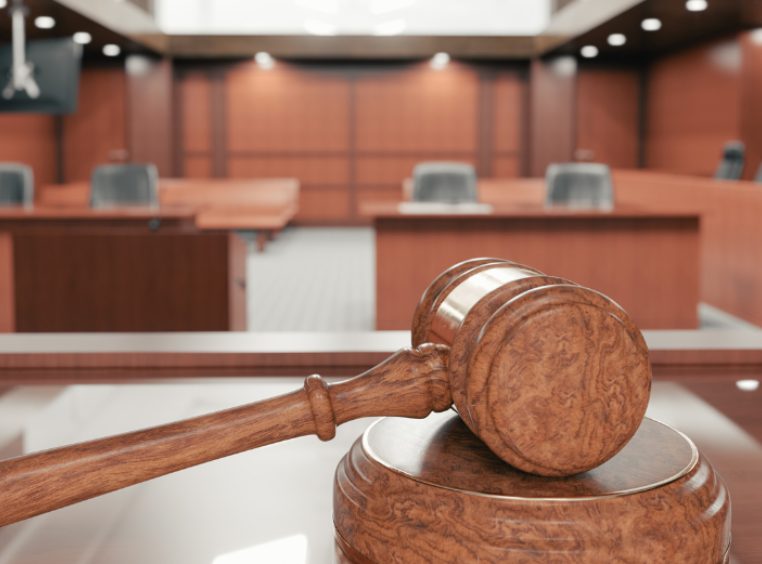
(651,24)
(696,5)
(264,60)
(111,50)
(318,27)
(589,51)
(747,385)
(82,37)
(617,39)
(3,4)
(44,22)
(756,36)
(440,60)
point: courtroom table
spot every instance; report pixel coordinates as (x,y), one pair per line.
(261,205)
(126,269)
(646,260)
(274,504)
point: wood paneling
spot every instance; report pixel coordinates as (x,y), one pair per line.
(608,116)
(30,139)
(693,100)
(506,167)
(751,100)
(149,92)
(552,119)
(7,310)
(508,113)
(310,170)
(97,132)
(195,97)
(198,166)
(418,109)
(282,109)
(393,169)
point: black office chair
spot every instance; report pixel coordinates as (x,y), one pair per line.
(16,185)
(579,185)
(444,182)
(758,177)
(124,185)
(732,163)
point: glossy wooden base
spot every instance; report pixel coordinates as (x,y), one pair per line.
(429,491)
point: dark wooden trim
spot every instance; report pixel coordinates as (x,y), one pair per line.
(58,125)
(485,108)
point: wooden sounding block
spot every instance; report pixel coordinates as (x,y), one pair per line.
(553,377)
(412,491)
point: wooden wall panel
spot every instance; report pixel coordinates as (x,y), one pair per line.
(284,109)
(506,167)
(751,101)
(309,170)
(149,106)
(195,100)
(552,116)
(509,113)
(7,307)
(394,169)
(323,204)
(97,132)
(418,109)
(198,166)
(30,139)
(693,108)
(608,116)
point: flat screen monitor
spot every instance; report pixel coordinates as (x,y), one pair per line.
(56,71)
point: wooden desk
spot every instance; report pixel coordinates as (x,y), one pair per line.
(134,269)
(645,260)
(264,206)
(274,504)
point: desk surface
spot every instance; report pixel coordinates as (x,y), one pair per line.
(273,504)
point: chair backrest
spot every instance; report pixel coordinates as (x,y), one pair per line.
(444,182)
(758,177)
(124,185)
(16,185)
(579,185)
(732,163)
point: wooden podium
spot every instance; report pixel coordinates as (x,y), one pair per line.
(430,491)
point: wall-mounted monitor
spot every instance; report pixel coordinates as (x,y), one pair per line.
(56,72)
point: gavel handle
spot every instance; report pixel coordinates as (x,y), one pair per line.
(411,383)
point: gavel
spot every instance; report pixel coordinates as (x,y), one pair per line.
(553,377)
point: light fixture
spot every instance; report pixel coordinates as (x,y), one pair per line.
(392,27)
(589,51)
(440,60)
(111,50)
(747,385)
(82,37)
(3,4)
(264,60)
(756,36)
(617,39)
(318,27)
(44,22)
(651,24)
(696,5)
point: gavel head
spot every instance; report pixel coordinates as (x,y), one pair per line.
(552,376)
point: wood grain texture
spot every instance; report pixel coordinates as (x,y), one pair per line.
(128,270)
(195,112)
(551,109)
(418,109)
(7,307)
(751,105)
(411,383)
(150,113)
(693,108)
(569,246)
(430,492)
(607,110)
(30,139)
(98,132)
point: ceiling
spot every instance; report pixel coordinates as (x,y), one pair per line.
(567,25)
(679,28)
